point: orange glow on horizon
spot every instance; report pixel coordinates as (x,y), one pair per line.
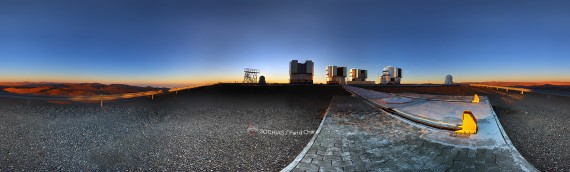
(176,81)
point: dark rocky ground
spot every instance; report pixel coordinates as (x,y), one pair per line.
(537,124)
(203,129)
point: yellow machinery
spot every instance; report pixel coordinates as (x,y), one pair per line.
(469,123)
(475,99)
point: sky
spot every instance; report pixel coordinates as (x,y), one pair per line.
(151,42)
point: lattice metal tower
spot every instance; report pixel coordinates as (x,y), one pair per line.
(250,75)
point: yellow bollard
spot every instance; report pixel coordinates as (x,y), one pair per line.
(469,123)
(475,99)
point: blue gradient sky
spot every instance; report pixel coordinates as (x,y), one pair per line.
(180,42)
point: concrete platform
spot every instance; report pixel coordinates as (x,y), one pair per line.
(357,136)
(444,109)
(396,100)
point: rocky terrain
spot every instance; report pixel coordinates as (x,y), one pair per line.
(203,129)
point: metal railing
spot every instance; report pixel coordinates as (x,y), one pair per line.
(175,90)
(523,90)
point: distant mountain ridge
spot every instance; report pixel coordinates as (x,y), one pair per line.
(525,84)
(70,89)
(550,85)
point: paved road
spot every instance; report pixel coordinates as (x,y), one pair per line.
(356,136)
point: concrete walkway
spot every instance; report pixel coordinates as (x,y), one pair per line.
(357,136)
(441,110)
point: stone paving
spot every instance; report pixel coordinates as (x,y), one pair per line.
(356,136)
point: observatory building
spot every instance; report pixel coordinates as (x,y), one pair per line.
(391,75)
(448,80)
(301,73)
(358,76)
(336,74)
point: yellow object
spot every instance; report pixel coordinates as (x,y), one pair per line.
(469,124)
(475,99)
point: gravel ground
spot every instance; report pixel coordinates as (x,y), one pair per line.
(537,124)
(203,129)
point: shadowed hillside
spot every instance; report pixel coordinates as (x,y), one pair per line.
(70,89)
